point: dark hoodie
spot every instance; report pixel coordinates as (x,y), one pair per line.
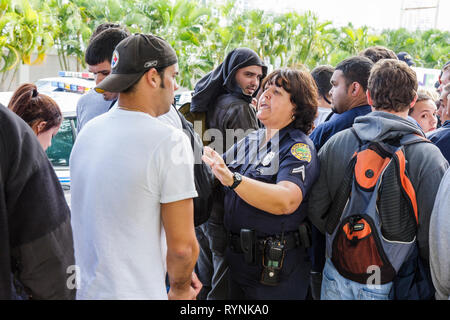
(224,102)
(222,80)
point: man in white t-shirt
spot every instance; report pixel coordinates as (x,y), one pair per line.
(133,184)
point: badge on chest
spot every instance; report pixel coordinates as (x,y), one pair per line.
(268,158)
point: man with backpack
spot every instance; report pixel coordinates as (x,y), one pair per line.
(392,173)
(348,101)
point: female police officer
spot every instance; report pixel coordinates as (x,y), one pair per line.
(267,178)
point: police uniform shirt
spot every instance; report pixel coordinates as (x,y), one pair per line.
(288,156)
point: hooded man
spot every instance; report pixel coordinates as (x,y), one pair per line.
(225,95)
(392,88)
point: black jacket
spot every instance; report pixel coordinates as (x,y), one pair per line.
(230,112)
(36,244)
(226,106)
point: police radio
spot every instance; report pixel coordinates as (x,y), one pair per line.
(273,257)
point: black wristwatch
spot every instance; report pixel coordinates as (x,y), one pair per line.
(237,179)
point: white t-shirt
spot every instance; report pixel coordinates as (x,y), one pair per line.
(172,118)
(322,115)
(123,165)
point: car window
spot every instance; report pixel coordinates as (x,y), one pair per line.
(62,143)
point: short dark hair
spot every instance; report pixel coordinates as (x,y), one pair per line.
(322,76)
(356,69)
(376,53)
(102,46)
(103,27)
(34,107)
(422,95)
(392,85)
(303,90)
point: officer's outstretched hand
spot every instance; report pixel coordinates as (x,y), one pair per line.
(218,166)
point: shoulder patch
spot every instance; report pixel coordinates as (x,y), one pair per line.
(301,151)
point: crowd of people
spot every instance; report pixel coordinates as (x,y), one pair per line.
(323,184)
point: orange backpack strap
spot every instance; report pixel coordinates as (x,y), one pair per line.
(406,183)
(333,214)
(369,166)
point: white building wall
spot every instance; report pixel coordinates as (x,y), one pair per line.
(26,73)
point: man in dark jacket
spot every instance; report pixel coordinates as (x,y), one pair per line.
(225,95)
(348,98)
(36,246)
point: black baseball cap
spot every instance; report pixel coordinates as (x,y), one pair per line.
(134,56)
(404,56)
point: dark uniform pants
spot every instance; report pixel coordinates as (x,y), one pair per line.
(244,279)
(211,266)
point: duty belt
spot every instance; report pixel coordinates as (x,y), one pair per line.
(292,239)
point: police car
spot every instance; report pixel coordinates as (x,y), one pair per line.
(182,98)
(66,90)
(67,81)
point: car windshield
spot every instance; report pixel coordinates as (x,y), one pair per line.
(62,143)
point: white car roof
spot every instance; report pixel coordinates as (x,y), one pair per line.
(67,101)
(69,80)
(5,97)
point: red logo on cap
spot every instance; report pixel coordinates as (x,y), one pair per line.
(115,59)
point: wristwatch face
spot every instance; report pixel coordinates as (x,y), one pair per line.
(237,178)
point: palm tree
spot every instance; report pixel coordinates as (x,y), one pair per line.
(200,35)
(70,31)
(22,32)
